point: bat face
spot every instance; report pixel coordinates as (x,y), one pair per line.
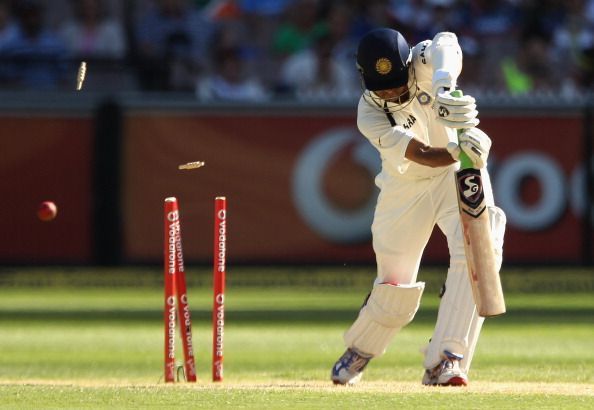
(478,243)
(470,189)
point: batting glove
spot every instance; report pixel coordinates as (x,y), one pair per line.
(455,112)
(475,143)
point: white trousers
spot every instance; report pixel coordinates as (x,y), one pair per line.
(406,214)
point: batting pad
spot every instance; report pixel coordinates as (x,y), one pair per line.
(388,309)
(458,322)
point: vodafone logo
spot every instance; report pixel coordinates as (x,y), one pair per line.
(319,209)
(560,190)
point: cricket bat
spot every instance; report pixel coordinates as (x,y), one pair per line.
(478,242)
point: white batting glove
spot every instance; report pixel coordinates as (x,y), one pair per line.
(442,80)
(455,112)
(475,143)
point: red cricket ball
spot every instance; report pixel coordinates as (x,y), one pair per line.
(47,211)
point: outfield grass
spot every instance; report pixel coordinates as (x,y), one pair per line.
(71,343)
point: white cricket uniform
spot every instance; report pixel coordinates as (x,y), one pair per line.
(414,198)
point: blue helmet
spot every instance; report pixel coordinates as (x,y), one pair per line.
(383,58)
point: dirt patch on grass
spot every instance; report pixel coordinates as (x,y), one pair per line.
(529,388)
(571,389)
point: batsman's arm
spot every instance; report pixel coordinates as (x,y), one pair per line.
(426,155)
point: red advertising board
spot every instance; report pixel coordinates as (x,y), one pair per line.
(46,158)
(300,185)
(251,160)
(539,180)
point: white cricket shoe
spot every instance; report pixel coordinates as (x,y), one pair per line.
(349,368)
(447,372)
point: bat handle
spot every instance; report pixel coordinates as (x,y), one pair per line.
(465,161)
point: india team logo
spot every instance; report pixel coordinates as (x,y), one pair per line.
(423,98)
(383,66)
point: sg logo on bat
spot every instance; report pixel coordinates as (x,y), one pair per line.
(470,188)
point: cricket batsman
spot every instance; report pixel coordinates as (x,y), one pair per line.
(408,113)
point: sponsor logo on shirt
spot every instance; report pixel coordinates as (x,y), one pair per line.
(409,121)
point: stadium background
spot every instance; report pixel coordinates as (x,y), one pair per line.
(218,87)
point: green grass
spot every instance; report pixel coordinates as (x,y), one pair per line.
(275,398)
(67,342)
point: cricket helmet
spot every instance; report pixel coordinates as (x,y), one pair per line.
(383,59)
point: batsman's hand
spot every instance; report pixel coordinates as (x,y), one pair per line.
(455,112)
(475,143)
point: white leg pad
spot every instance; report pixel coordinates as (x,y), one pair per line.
(458,322)
(388,309)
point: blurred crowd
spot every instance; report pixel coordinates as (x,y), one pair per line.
(257,50)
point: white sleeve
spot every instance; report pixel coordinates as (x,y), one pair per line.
(445,56)
(422,65)
(391,142)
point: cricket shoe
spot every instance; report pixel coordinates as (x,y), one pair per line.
(349,368)
(447,372)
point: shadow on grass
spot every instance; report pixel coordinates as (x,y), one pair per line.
(309,316)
